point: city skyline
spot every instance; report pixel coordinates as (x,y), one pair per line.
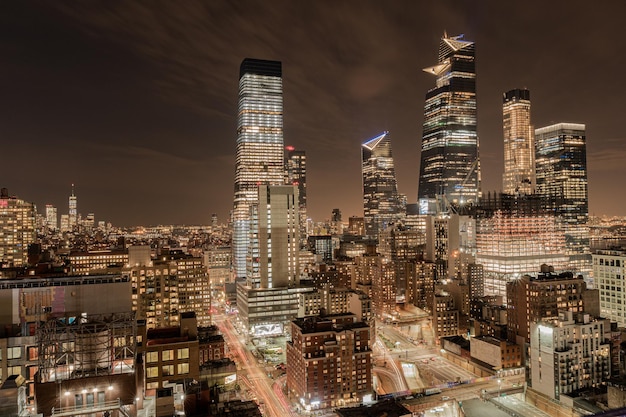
(136,105)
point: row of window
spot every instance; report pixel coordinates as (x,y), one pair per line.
(167,355)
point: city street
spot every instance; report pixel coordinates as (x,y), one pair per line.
(252,375)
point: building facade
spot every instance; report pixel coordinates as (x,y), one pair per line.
(17,229)
(450,166)
(273,253)
(609,271)
(531,299)
(260,147)
(329,361)
(519,143)
(569,353)
(382,205)
(561,170)
(295,170)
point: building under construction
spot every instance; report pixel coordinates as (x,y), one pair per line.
(87,365)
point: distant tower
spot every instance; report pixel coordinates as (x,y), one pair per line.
(450,167)
(213,220)
(295,169)
(561,170)
(382,204)
(52,220)
(73,210)
(260,158)
(519,143)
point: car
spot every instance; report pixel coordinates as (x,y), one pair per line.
(445,398)
(433,358)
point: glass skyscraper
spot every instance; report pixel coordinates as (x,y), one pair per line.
(382,204)
(260,148)
(450,167)
(561,170)
(519,143)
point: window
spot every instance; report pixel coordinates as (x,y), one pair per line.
(152,372)
(167,355)
(183,368)
(152,385)
(183,353)
(14,370)
(152,357)
(168,370)
(32,353)
(14,352)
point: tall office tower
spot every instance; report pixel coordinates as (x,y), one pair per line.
(450,168)
(531,299)
(382,205)
(519,143)
(17,229)
(260,159)
(561,169)
(295,170)
(73,210)
(274,234)
(213,221)
(267,300)
(52,221)
(569,354)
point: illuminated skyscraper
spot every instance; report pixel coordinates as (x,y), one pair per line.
(561,169)
(17,229)
(73,210)
(52,221)
(260,158)
(273,250)
(295,170)
(519,146)
(450,167)
(382,204)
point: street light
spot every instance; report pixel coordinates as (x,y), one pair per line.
(499,386)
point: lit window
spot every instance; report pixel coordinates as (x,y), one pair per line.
(152,357)
(183,353)
(152,372)
(183,368)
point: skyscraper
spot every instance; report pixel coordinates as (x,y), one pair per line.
(381,202)
(561,170)
(52,221)
(274,228)
(260,159)
(450,167)
(519,146)
(73,210)
(17,229)
(295,170)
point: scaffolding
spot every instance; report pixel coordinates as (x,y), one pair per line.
(72,347)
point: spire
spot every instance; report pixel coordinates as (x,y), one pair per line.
(72,189)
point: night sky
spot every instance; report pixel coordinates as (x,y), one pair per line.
(135,102)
